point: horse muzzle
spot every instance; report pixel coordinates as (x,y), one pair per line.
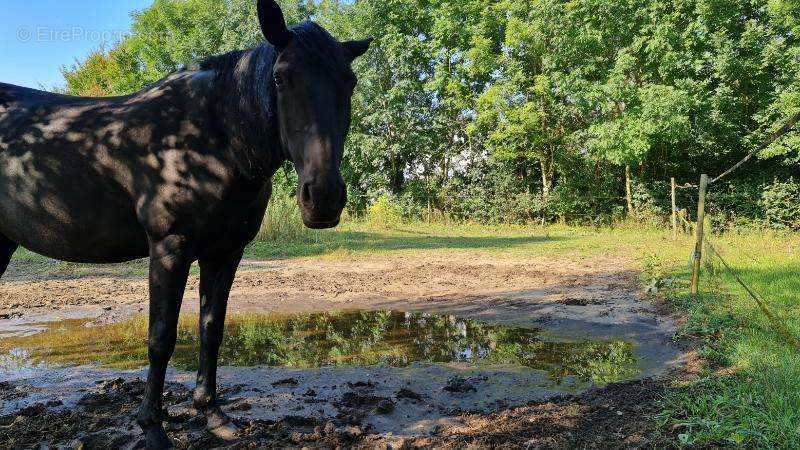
(321,204)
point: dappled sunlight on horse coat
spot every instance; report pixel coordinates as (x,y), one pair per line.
(179,172)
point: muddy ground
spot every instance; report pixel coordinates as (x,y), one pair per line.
(591,298)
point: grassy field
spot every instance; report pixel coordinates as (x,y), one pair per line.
(749,395)
(749,391)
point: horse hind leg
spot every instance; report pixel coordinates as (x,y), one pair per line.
(7,249)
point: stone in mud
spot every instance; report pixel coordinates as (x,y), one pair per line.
(408,394)
(351,432)
(362,385)
(385,406)
(310,393)
(378,405)
(574,301)
(299,421)
(296,438)
(243,406)
(458,385)
(109,385)
(289,382)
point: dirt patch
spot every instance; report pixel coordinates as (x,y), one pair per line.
(619,416)
(25,288)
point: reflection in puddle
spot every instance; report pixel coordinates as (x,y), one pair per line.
(362,338)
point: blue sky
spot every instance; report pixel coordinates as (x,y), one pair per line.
(38,37)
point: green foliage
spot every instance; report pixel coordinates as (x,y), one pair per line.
(646,206)
(781,204)
(490,194)
(385,213)
(748,395)
(282,222)
(551,98)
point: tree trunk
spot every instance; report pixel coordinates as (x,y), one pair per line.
(629,191)
(546,182)
(547,165)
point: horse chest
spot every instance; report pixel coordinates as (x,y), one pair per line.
(219,217)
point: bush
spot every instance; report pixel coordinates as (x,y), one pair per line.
(385,213)
(780,202)
(282,222)
(490,195)
(734,204)
(588,193)
(646,205)
(418,200)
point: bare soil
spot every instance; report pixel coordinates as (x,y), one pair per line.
(288,284)
(596,297)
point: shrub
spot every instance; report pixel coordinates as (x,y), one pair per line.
(282,222)
(385,213)
(588,194)
(734,204)
(780,201)
(646,205)
(490,195)
(418,200)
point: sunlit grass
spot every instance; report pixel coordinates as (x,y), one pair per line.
(749,395)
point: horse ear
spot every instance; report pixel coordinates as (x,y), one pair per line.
(357,48)
(273,24)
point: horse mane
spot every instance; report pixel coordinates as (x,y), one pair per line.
(244,100)
(249,72)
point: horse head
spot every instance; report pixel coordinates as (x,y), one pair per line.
(314,84)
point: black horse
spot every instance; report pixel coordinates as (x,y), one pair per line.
(180,172)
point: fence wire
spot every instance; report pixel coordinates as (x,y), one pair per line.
(787,127)
(777,324)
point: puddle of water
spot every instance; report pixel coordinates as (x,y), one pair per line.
(356,338)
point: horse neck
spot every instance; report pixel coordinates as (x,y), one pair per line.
(246,111)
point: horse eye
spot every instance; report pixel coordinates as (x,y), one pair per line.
(278,80)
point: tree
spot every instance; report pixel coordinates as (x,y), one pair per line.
(556,98)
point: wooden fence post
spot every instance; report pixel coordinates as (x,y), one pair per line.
(674,212)
(698,246)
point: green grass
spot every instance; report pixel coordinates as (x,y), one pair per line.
(363,237)
(749,395)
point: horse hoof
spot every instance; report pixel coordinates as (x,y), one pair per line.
(220,425)
(227,432)
(157,439)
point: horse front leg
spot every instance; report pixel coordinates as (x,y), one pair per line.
(216,280)
(170,261)
(7,249)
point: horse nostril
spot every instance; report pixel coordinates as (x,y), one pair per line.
(305,195)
